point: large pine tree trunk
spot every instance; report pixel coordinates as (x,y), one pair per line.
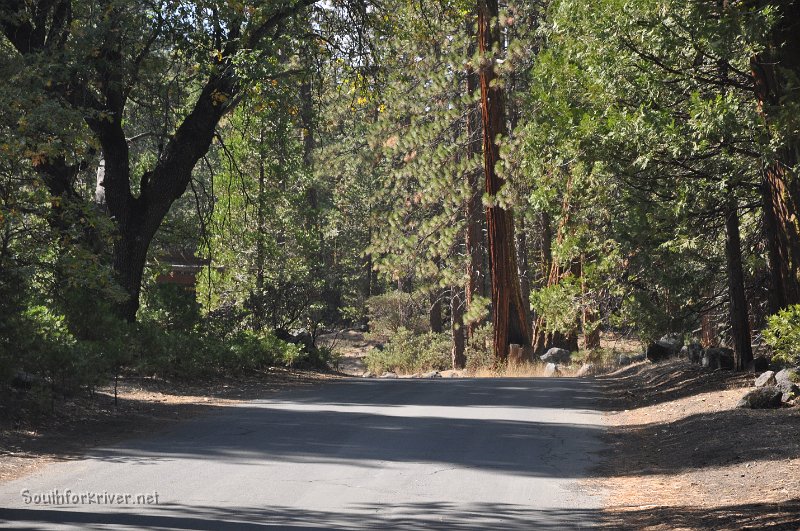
(509,315)
(773,72)
(740,323)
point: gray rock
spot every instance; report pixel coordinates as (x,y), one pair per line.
(768,397)
(767,378)
(556,355)
(551,369)
(587,369)
(624,360)
(718,358)
(661,350)
(673,340)
(785,382)
(639,357)
(431,374)
(367,374)
(388,375)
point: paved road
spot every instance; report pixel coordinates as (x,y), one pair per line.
(378,454)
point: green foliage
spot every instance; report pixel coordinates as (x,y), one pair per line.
(559,304)
(171,306)
(783,334)
(479,350)
(408,353)
(396,310)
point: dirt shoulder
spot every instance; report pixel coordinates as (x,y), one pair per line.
(682,457)
(69,428)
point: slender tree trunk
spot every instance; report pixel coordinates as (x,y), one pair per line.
(509,317)
(740,323)
(261,221)
(459,332)
(474,208)
(591,331)
(435,312)
(522,263)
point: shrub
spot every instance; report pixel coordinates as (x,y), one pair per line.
(408,353)
(390,312)
(479,349)
(783,334)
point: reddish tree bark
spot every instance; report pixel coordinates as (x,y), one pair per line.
(509,315)
(772,73)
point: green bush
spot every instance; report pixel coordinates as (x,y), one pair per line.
(192,354)
(479,350)
(783,334)
(390,312)
(408,353)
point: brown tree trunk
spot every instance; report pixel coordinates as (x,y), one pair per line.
(459,332)
(773,72)
(509,315)
(740,323)
(435,312)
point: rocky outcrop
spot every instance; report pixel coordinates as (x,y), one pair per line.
(767,378)
(768,397)
(556,355)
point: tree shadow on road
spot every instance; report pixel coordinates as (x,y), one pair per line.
(402,517)
(414,516)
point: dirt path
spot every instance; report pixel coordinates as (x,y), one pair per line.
(683,457)
(351,346)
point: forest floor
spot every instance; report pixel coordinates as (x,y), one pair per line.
(32,435)
(682,457)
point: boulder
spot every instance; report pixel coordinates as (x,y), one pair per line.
(587,369)
(638,357)
(551,369)
(367,374)
(674,341)
(767,378)
(624,360)
(768,397)
(431,374)
(556,355)
(388,375)
(785,382)
(661,350)
(718,358)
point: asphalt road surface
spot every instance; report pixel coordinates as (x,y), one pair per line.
(377,454)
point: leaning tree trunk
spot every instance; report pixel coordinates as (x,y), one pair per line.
(740,323)
(509,315)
